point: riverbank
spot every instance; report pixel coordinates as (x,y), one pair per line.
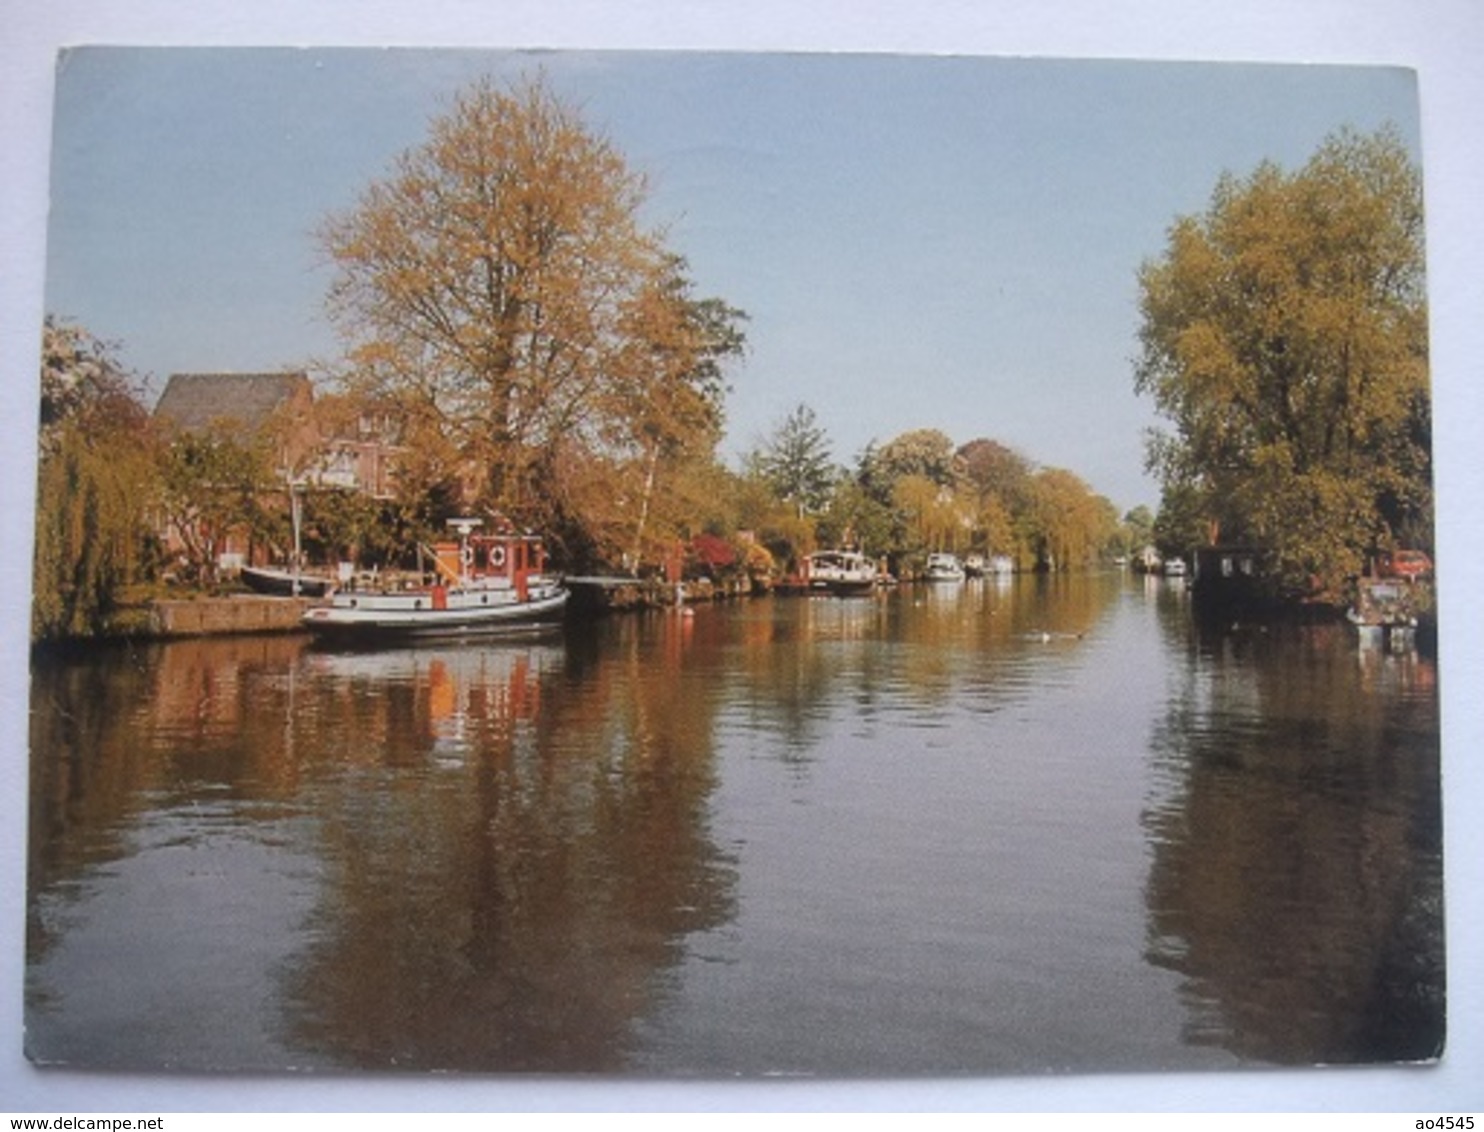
(238,614)
(598,595)
(219,616)
(213,615)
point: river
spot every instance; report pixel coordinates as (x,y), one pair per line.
(1038,825)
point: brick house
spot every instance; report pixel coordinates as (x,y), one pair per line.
(342,449)
(356,448)
(246,403)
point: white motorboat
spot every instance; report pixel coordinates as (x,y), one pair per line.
(841,572)
(943,567)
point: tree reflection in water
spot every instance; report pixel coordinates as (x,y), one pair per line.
(982,828)
(506,895)
(1297,881)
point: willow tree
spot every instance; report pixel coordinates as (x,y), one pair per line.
(1284,338)
(95,481)
(1065,522)
(499,287)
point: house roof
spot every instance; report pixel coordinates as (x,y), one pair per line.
(193,401)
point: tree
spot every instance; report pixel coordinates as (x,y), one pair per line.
(351,526)
(993,469)
(1066,523)
(1133,532)
(1284,339)
(995,525)
(928,512)
(1182,521)
(499,288)
(215,481)
(914,476)
(922,452)
(1138,528)
(857,519)
(672,410)
(94,485)
(796,462)
(1000,479)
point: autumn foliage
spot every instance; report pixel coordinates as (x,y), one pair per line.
(542,344)
(1284,339)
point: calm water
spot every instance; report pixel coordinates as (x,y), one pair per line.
(982,829)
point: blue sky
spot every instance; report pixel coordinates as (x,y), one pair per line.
(943,242)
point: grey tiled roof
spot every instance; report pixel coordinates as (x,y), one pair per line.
(192,401)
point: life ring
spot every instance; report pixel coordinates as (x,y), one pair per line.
(466,557)
(497,558)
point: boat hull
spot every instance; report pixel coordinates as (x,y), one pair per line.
(850,587)
(370,620)
(281,583)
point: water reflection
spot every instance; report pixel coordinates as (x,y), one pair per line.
(1296,881)
(1045,824)
(909,657)
(497,868)
(167,869)
(130,729)
(505,895)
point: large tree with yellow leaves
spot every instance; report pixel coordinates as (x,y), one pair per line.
(500,288)
(1284,339)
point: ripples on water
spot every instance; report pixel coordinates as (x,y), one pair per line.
(981,829)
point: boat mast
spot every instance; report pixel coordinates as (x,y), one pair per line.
(295,517)
(464,528)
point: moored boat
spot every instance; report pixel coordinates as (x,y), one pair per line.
(943,567)
(484,583)
(285,583)
(1382,603)
(841,572)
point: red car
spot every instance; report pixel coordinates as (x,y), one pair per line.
(1409,564)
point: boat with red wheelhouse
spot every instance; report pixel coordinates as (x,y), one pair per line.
(483,582)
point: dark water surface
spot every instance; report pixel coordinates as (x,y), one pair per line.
(1043,825)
